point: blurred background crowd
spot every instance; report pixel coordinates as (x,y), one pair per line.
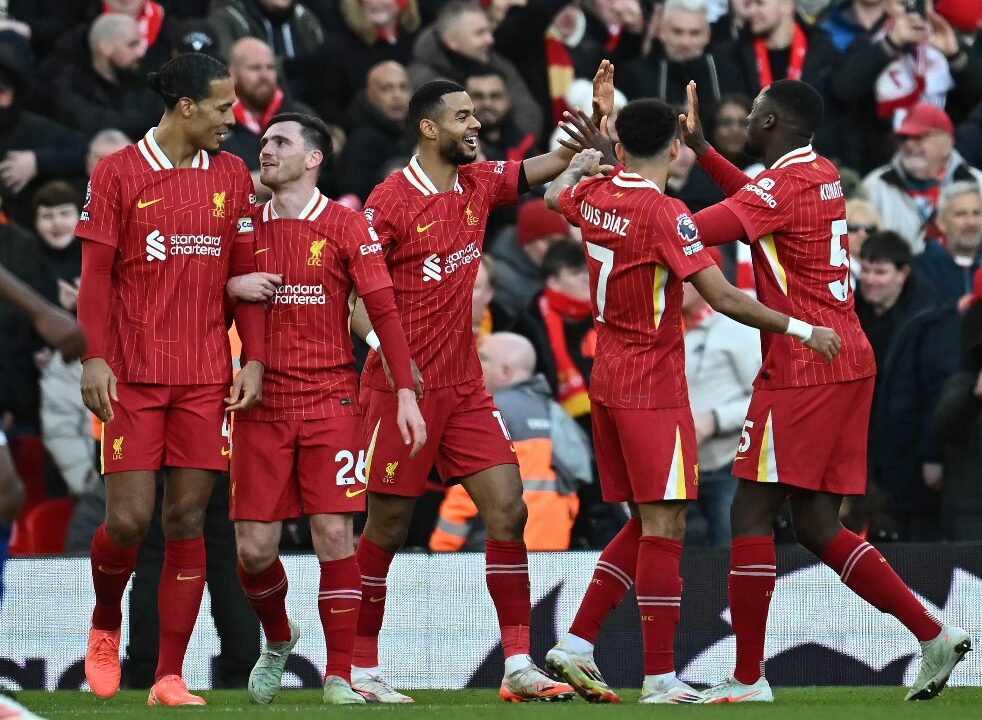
(902,82)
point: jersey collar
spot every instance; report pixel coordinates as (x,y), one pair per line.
(801,155)
(311,211)
(626,179)
(156,158)
(417,178)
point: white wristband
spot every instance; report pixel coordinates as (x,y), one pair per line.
(373,342)
(799,329)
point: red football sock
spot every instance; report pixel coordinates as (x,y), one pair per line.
(182,581)
(266,592)
(507,574)
(612,578)
(753,570)
(659,589)
(373,563)
(337,603)
(112,566)
(869,575)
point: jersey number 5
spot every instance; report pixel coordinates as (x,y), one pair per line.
(839,258)
(606,258)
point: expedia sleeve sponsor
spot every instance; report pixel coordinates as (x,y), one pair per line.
(300,295)
(760,192)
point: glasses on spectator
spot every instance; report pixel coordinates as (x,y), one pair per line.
(733,122)
(868,229)
(487,96)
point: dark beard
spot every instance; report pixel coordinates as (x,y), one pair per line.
(451,152)
(128,76)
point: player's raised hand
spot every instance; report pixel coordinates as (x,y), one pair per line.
(247,387)
(253,287)
(60,330)
(410,421)
(586,163)
(99,388)
(824,341)
(603,94)
(691,125)
(584,134)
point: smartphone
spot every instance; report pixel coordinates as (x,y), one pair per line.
(916,7)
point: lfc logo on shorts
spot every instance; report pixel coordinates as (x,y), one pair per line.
(390,472)
(118,448)
(219,200)
(471,217)
(316,252)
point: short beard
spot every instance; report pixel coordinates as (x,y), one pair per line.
(450,151)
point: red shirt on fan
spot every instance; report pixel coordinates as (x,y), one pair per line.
(433,243)
(309,362)
(794,215)
(173,230)
(641,245)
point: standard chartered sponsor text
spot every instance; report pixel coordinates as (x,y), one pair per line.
(195,245)
(300,295)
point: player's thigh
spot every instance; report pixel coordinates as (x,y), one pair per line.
(187,492)
(263,484)
(331,464)
(389,470)
(788,438)
(663,518)
(475,437)
(615,485)
(848,411)
(135,438)
(389,517)
(755,507)
(659,447)
(497,494)
(257,543)
(197,433)
(816,518)
(333,535)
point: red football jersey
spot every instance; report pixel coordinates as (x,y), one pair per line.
(794,215)
(173,231)
(310,371)
(641,245)
(433,243)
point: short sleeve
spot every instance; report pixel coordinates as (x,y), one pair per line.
(569,201)
(245,204)
(763,204)
(502,182)
(381,213)
(679,246)
(101,217)
(366,261)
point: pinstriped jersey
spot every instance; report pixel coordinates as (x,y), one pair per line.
(640,245)
(173,230)
(322,255)
(794,215)
(433,243)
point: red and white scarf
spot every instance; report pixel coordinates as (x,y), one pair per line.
(257,124)
(914,76)
(149,21)
(796,62)
(556,308)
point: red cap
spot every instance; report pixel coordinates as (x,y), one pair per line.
(536,221)
(924,118)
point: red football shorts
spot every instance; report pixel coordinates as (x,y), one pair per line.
(645,455)
(810,437)
(464,430)
(287,468)
(156,426)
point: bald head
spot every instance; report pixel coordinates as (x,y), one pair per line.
(116,45)
(507,359)
(387,88)
(253,70)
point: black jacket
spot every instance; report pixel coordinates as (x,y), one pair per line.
(968,138)
(89,103)
(656,76)
(915,357)
(374,140)
(958,425)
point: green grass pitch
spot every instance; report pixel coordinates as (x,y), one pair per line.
(791,704)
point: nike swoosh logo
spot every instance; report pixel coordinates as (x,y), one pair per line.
(350,494)
(192,577)
(335,611)
(376,599)
(744,696)
(424,228)
(140,204)
(259,252)
(226,452)
(111,572)
(739,457)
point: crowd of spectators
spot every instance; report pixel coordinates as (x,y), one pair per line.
(903,121)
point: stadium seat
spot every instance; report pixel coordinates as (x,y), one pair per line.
(42,530)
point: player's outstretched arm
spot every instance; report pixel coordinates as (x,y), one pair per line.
(583,135)
(94,295)
(584,163)
(724,173)
(736,304)
(55,326)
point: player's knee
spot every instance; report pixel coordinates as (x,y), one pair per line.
(183,521)
(506,523)
(816,537)
(332,541)
(127,529)
(255,555)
